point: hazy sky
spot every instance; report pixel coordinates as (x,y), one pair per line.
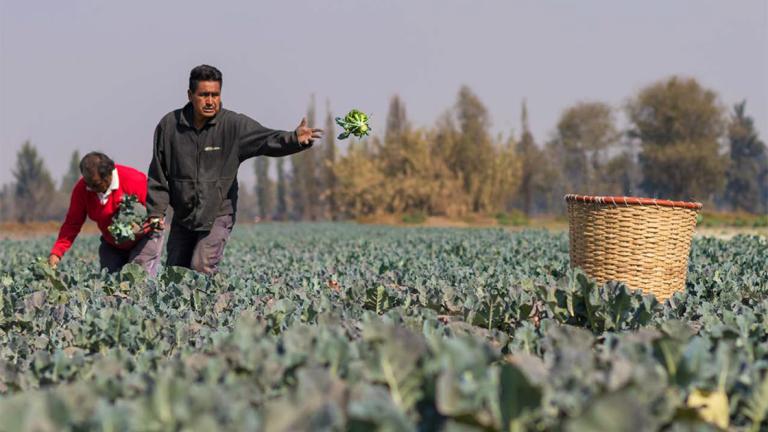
(99,75)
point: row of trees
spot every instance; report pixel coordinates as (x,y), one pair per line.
(680,143)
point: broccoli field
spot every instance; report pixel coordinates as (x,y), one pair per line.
(349,327)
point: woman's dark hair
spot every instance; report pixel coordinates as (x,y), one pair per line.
(96,163)
(203,73)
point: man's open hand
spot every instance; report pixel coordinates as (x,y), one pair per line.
(306,134)
(53,260)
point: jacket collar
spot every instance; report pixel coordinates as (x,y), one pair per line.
(187,117)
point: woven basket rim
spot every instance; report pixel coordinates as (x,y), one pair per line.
(629,200)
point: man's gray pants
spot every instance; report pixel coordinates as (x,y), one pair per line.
(199,250)
(145,253)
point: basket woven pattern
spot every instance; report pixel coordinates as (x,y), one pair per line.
(644,243)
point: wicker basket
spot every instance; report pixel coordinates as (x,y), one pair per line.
(640,241)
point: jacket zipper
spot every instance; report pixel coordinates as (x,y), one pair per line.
(197,174)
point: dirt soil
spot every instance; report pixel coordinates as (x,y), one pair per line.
(17,231)
(547,223)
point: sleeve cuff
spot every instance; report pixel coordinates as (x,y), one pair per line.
(295,139)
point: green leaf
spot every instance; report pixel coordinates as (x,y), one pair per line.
(619,411)
(757,405)
(517,396)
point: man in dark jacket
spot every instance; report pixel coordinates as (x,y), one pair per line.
(197,151)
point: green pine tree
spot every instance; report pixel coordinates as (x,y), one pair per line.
(34,186)
(329,159)
(281,210)
(73,173)
(264,195)
(748,174)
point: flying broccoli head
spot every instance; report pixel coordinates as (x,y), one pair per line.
(354,123)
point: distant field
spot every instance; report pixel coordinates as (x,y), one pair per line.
(721,229)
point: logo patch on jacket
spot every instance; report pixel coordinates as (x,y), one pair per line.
(212,148)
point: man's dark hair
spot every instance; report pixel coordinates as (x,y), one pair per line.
(203,73)
(96,163)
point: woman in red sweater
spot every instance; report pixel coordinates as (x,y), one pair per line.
(97,195)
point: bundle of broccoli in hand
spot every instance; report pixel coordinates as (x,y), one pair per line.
(128,220)
(354,123)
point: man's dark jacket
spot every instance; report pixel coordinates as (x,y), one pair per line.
(195,171)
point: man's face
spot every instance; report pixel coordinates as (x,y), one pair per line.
(96,183)
(206,100)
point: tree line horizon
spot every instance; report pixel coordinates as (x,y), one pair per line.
(681,143)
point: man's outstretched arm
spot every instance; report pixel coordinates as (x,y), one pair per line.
(256,140)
